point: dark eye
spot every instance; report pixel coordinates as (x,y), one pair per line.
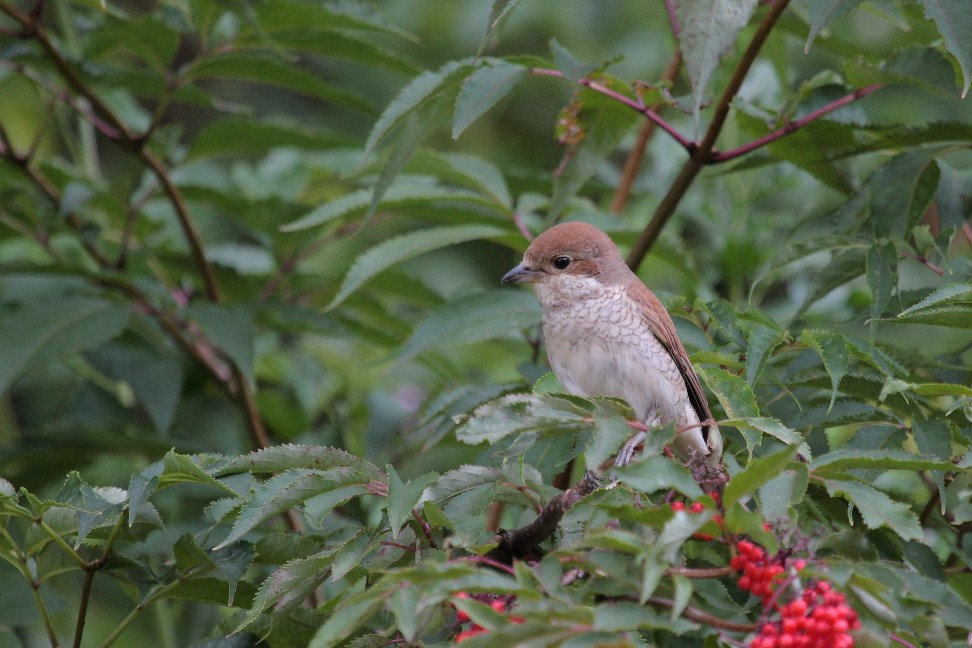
(561,262)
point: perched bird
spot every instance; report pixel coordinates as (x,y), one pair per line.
(608,335)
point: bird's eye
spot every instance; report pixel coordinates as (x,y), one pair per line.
(561,262)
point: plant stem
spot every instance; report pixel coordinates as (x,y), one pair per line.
(723,156)
(702,153)
(700,616)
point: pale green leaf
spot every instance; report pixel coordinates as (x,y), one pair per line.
(824,12)
(960,291)
(282,458)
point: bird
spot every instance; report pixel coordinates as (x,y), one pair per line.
(607,334)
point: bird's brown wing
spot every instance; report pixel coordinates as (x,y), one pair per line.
(660,323)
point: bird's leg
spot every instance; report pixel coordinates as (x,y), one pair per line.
(653,420)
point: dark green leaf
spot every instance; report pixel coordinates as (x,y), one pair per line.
(901,191)
(877,509)
(882,276)
(879,459)
(234,136)
(832,348)
(824,12)
(954,21)
(402,498)
(762,341)
(734,394)
(291,456)
(42,331)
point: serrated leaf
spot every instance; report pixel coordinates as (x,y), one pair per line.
(567,63)
(877,509)
(402,498)
(960,291)
(499,9)
(415,93)
(708,29)
(734,394)
(41,331)
(877,459)
(824,12)
(922,67)
(493,314)
(347,617)
(458,481)
(291,488)
(516,413)
(292,456)
(290,584)
(772,427)
(762,341)
(954,21)
(756,473)
(656,473)
(183,469)
(404,247)
(956,316)
(882,277)
(141,487)
(483,89)
(400,195)
(844,266)
(779,493)
(469,171)
(833,351)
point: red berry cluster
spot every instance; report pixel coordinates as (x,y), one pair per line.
(696,507)
(498,604)
(760,574)
(820,618)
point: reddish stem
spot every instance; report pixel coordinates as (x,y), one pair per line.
(724,156)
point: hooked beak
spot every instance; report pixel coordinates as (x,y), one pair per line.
(521,274)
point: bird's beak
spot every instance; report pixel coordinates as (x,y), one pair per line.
(521,274)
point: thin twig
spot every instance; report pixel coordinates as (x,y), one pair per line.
(791,126)
(634,104)
(700,616)
(699,572)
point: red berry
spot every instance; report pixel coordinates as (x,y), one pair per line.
(745,583)
(472,632)
(498,604)
(696,507)
(678,506)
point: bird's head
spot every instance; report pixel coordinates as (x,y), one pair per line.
(567,258)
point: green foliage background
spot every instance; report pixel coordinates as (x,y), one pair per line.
(227,225)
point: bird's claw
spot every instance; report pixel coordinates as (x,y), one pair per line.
(628,449)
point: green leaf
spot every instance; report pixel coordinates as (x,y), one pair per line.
(882,277)
(734,394)
(347,617)
(402,498)
(956,316)
(499,9)
(183,469)
(483,89)
(954,21)
(757,473)
(877,509)
(290,584)
(567,63)
(878,459)
(272,71)
(42,331)
(469,171)
(824,12)
(922,67)
(233,136)
(141,487)
(656,473)
(400,195)
(230,329)
(282,458)
(515,413)
(901,191)
(485,316)
(960,292)
(413,96)
(404,247)
(295,15)
(781,492)
(762,341)
(772,427)
(844,266)
(151,40)
(833,350)
(708,29)
(291,488)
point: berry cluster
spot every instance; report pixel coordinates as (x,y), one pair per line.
(497,603)
(820,618)
(760,574)
(696,507)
